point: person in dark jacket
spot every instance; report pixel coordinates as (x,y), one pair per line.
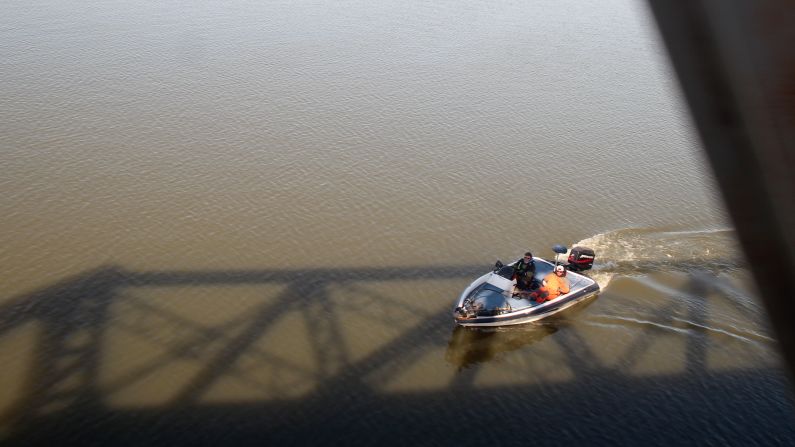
(523,272)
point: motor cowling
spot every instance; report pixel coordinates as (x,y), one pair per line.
(581,258)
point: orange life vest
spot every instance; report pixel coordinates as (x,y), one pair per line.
(554,286)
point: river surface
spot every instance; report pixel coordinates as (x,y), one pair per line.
(247,223)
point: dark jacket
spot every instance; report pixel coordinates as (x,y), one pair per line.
(523,270)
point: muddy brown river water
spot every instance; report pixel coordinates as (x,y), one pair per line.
(247,223)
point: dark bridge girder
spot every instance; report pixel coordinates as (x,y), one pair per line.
(736,65)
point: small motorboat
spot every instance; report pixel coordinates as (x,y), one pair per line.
(494,299)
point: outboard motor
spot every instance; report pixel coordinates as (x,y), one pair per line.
(581,258)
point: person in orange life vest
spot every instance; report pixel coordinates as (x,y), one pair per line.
(553,285)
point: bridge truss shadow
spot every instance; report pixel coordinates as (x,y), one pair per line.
(64,400)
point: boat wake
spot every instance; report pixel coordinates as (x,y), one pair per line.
(685,327)
(633,252)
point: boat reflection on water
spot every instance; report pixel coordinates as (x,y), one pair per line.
(472,345)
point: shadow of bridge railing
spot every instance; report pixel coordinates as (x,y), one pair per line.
(73,317)
(61,401)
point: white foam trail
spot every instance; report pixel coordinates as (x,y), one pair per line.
(631,251)
(602,278)
(746,336)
